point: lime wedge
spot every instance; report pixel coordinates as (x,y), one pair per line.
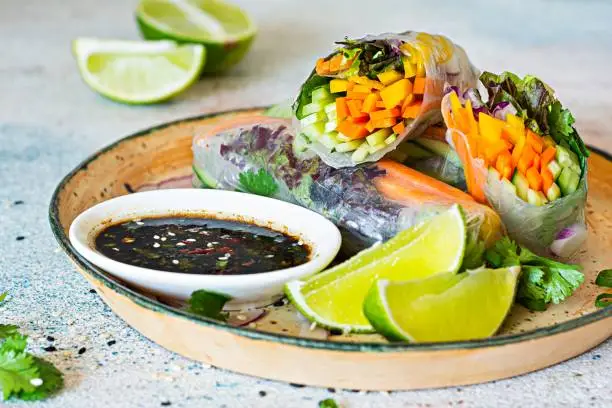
(334,298)
(138,72)
(446,307)
(224,29)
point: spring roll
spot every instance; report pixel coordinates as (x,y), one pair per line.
(370,94)
(369,203)
(522,156)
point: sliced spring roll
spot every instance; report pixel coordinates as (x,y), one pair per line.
(370,94)
(369,203)
(522,156)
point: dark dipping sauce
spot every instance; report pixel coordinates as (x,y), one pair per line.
(197,245)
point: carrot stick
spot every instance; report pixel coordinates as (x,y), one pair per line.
(534,179)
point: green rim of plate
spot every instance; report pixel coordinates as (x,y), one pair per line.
(145,301)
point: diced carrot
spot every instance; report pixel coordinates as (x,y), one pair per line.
(322,67)
(349,86)
(356,95)
(537,159)
(370,127)
(412,110)
(534,179)
(362,89)
(535,141)
(354,106)
(384,123)
(399,128)
(507,172)
(380,104)
(334,63)
(526,159)
(419,86)
(342,110)
(385,113)
(360,119)
(369,104)
(352,130)
(346,62)
(547,178)
(548,155)
(407,102)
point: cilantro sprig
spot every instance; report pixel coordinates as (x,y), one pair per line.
(543,281)
(260,183)
(22,375)
(208,304)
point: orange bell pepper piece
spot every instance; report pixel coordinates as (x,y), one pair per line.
(419,86)
(399,128)
(412,110)
(385,113)
(334,63)
(548,155)
(537,160)
(384,123)
(526,159)
(354,107)
(356,95)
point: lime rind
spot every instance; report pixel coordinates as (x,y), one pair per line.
(309,295)
(138,72)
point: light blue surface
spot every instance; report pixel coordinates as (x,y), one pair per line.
(50,121)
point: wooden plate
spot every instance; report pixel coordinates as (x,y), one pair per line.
(280,346)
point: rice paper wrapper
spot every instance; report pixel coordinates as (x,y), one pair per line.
(369,203)
(445,63)
(535,227)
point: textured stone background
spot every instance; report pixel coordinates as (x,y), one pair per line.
(50,121)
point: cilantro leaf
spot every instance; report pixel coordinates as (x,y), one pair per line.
(3,296)
(260,183)
(542,280)
(16,342)
(328,403)
(560,123)
(17,370)
(52,381)
(208,304)
(7,330)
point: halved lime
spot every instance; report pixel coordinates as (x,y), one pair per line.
(225,30)
(334,298)
(138,72)
(448,307)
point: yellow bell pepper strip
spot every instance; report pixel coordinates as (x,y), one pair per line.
(395,93)
(369,83)
(338,85)
(389,77)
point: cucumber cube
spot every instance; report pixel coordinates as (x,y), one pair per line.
(300,144)
(567,158)
(330,126)
(320,94)
(508,186)
(542,197)
(313,118)
(533,197)
(379,136)
(521,184)
(553,192)
(361,153)
(330,109)
(568,181)
(329,140)
(349,146)
(312,108)
(390,139)
(375,148)
(554,168)
(314,131)
(343,138)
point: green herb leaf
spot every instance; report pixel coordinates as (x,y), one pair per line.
(208,304)
(16,342)
(304,96)
(603,300)
(604,278)
(260,183)
(3,296)
(542,280)
(52,381)
(7,330)
(17,370)
(328,403)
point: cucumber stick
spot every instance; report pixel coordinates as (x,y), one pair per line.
(378,137)
(313,118)
(314,131)
(349,146)
(568,181)
(329,140)
(320,94)
(553,192)
(361,153)
(521,184)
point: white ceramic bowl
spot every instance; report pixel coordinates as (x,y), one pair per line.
(319,233)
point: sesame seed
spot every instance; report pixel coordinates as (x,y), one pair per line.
(180,244)
(155,236)
(227,255)
(190,240)
(156,245)
(241,317)
(175,261)
(163,238)
(300,242)
(270,256)
(209,245)
(139,223)
(222,258)
(171,234)
(115,249)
